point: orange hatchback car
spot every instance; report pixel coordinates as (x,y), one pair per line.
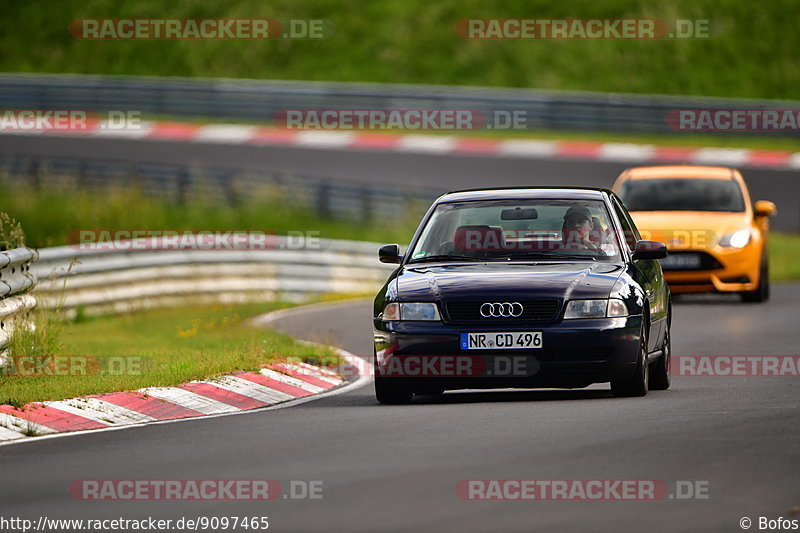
(717,239)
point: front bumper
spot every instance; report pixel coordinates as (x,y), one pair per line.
(574,353)
(740,271)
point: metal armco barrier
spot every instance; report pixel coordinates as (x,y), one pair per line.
(259,100)
(16,276)
(120,280)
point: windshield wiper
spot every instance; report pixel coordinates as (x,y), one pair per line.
(444,257)
(578,257)
(550,256)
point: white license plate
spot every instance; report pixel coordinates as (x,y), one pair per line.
(501,341)
(677,262)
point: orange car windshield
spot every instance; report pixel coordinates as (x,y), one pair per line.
(676,194)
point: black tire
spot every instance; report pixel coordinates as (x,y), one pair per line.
(761,294)
(392,391)
(660,377)
(635,385)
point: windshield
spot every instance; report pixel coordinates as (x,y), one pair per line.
(560,230)
(676,194)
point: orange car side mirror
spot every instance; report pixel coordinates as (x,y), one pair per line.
(765,208)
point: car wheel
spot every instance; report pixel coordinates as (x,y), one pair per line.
(392,391)
(635,385)
(660,377)
(761,294)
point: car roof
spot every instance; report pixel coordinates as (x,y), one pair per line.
(515,193)
(680,171)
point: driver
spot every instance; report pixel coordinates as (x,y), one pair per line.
(576,229)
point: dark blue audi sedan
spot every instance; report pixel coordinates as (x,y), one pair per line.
(525,288)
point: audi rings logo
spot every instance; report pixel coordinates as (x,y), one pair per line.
(501,310)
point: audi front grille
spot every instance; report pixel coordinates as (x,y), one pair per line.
(540,310)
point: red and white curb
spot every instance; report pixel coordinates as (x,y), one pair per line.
(275,385)
(434,144)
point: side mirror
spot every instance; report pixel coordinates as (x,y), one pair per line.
(765,208)
(650,250)
(390,253)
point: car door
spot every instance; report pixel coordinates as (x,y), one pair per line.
(646,272)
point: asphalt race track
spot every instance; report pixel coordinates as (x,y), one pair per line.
(395,468)
(443,171)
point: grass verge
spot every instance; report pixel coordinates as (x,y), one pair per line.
(160,347)
(50,213)
(750,51)
(784,256)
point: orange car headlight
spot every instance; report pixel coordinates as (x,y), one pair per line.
(737,239)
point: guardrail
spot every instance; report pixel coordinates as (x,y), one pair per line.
(16,276)
(119,280)
(259,100)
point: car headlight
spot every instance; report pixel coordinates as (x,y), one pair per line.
(607,308)
(411,311)
(737,239)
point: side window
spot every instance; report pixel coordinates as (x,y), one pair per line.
(632,224)
(631,235)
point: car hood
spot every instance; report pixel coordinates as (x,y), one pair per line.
(688,229)
(443,282)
